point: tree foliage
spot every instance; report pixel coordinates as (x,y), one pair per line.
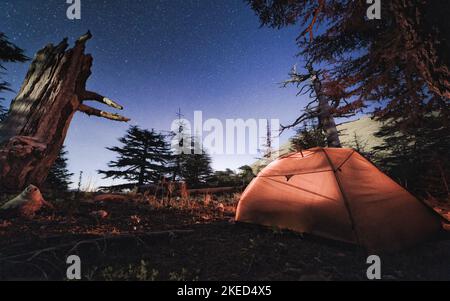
(245,174)
(9,53)
(417,157)
(196,166)
(230,178)
(141,159)
(396,67)
(398,64)
(308,136)
(59,177)
(324,106)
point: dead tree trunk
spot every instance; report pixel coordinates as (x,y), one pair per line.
(39,117)
(326,119)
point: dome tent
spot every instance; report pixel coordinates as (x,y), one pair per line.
(336,193)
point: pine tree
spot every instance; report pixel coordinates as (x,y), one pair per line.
(417,157)
(397,66)
(246,174)
(196,166)
(399,63)
(59,176)
(230,178)
(181,140)
(196,170)
(142,158)
(8,53)
(325,105)
(225,178)
(307,137)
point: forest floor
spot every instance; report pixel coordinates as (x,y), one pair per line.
(142,241)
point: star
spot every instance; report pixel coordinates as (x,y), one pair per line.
(155,56)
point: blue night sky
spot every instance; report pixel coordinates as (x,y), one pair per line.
(155,56)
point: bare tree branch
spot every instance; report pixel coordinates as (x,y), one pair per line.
(88,95)
(92,111)
(309,89)
(299,120)
(84,38)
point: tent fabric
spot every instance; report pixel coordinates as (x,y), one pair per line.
(336,193)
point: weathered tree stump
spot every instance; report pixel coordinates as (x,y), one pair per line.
(39,117)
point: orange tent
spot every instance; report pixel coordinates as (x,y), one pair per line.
(336,193)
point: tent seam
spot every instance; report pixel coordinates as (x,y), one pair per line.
(344,197)
(308,191)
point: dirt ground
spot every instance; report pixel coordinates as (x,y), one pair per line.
(138,241)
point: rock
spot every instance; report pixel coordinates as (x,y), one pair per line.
(221,207)
(100,214)
(27,203)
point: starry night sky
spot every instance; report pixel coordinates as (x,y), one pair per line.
(155,56)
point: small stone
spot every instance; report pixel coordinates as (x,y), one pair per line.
(101,214)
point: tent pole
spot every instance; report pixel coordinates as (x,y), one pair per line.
(346,202)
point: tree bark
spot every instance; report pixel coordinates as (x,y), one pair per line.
(39,117)
(326,119)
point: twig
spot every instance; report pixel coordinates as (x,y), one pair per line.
(310,28)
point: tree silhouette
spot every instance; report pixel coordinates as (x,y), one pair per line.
(141,159)
(196,166)
(417,157)
(59,176)
(245,174)
(308,136)
(399,64)
(326,105)
(8,53)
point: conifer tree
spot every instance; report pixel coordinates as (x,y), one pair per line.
(59,176)
(399,64)
(417,157)
(196,166)
(8,53)
(308,136)
(141,159)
